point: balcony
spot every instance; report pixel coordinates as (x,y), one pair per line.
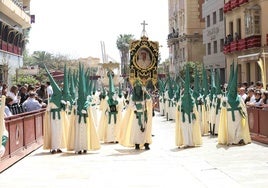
(241,2)
(8,47)
(242,44)
(226,49)
(233,46)
(4,46)
(234,4)
(253,41)
(227,7)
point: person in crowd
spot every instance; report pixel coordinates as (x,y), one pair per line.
(259,86)
(13,93)
(54,127)
(258,98)
(49,89)
(188,132)
(4,89)
(23,94)
(109,116)
(30,88)
(9,103)
(242,93)
(84,136)
(31,103)
(264,103)
(42,93)
(233,126)
(136,124)
(250,97)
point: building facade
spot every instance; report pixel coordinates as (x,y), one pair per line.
(15,20)
(247,38)
(214,35)
(185,39)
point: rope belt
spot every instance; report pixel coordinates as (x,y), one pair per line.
(113,112)
(235,109)
(55,111)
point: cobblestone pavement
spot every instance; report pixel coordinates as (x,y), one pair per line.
(210,165)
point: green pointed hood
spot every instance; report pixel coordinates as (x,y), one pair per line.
(161,86)
(217,82)
(82,103)
(103,93)
(94,86)
(196,91)
(120,91)
(170,88)
(231,75)
(205,91)
(187,100)
(66,93)
(232,95)
(72,87)
(75,77)
(212,84)
(88,83)
(177,92)
(57,94)
(111,86)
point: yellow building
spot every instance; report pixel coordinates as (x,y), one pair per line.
(247,38)
(15,20)
(185,39)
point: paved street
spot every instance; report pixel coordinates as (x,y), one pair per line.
(164,165)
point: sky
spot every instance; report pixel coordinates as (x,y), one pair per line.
(76,28)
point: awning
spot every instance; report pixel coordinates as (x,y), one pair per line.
(252,57)
(249,57)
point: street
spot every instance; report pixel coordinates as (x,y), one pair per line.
(164,165)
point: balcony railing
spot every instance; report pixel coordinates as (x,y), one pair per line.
(227,7)
(233,46)
(11,48)
(232,4)
(242,44)
(254,41)
(226,49)
(242,2)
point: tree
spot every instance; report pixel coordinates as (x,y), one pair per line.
(42,58)
(122,43)
(192,66)
(26,79)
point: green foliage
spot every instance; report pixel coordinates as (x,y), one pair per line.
(192,66)
(26,79)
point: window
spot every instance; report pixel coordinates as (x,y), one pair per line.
(221,14)
(209,48)
(252,21)
(208,21)
(215,47)
(214,17)
(221,45)
(238,29)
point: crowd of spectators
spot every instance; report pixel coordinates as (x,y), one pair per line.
(24,98)
(255,95)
